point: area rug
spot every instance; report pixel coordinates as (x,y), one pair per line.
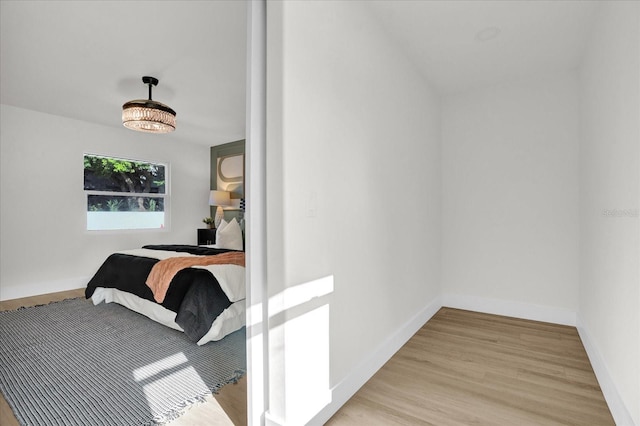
(73,363)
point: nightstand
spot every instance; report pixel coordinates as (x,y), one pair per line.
(206,236)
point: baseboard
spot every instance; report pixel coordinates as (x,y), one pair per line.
(344,390)
(36,289)
(616,405)
(510,308)
(270,420)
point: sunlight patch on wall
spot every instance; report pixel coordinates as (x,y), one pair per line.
(299,320)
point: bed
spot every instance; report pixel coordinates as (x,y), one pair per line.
(199,290)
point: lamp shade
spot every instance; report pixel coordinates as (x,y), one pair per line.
(147,115)
(219,198)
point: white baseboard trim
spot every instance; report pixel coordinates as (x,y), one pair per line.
(344,390)
(35,289)
(616,405)
(270,420)
(510,308)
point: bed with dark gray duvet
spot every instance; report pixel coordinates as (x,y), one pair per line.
(205,299)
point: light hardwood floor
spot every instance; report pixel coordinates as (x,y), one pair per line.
(467,368)
(461,368)
(228,407)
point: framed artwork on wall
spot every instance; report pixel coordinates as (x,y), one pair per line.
(227,174)
(230,177)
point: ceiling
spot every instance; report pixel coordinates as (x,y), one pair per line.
(441,38)
(84,59)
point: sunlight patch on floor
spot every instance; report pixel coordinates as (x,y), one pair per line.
(159,381)
(155,368)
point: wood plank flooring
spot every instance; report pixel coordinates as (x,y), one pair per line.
(228,407)
(461,368)
(467,368)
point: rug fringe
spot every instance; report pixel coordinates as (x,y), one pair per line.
(21,308)
(184,406)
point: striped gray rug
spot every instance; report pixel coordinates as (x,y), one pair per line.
(72,363)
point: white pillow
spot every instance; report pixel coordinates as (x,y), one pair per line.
(229,235)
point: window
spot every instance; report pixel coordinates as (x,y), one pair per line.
(124,194)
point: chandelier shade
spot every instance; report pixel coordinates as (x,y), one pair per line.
(147,115)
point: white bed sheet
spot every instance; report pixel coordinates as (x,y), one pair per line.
(231,319)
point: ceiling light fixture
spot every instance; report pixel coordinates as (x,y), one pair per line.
(147,115)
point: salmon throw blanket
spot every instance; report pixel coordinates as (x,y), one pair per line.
(163,272)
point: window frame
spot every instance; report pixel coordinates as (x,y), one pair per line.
(166,196)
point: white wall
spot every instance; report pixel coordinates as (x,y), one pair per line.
(510,199)
(44,246)
(353,169)
(609,307)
